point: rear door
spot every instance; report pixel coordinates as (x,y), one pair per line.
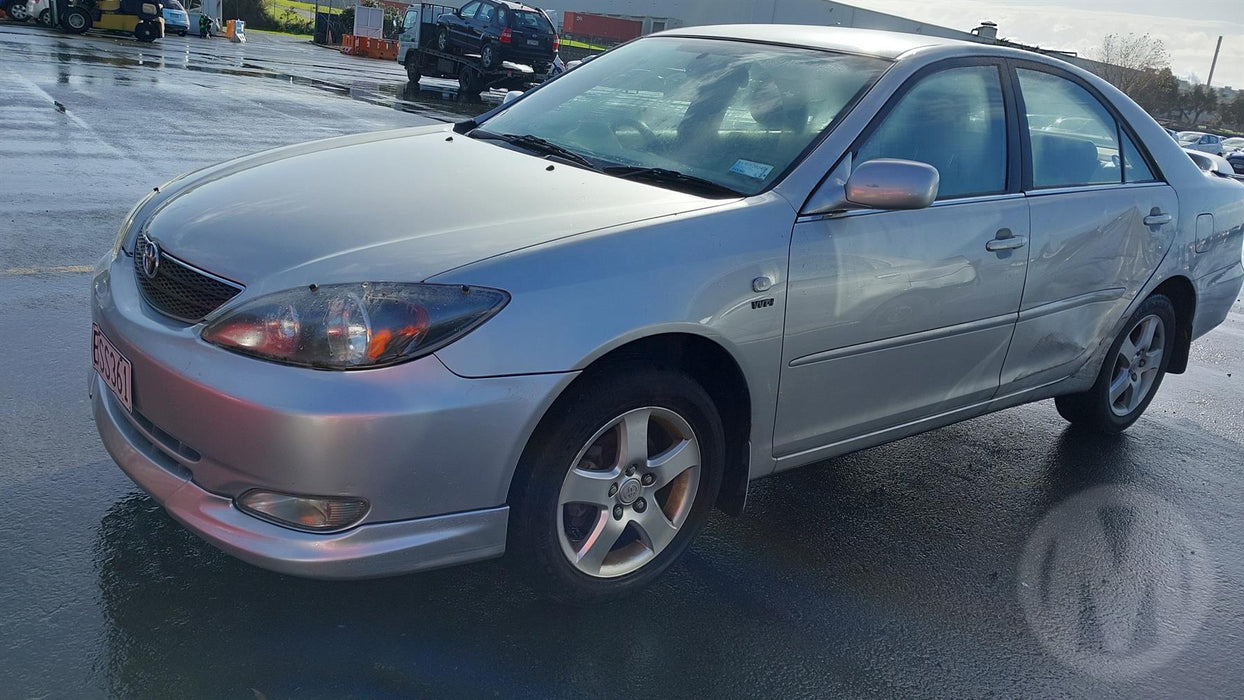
(1102,220)
(894,316)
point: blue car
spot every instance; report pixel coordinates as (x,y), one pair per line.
(175,18)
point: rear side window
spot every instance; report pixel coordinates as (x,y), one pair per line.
(1081,145)
(1135,169)
(525,19)
(953,120)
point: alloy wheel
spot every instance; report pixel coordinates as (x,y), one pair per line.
(628,492)
(18,12)
(1137,364)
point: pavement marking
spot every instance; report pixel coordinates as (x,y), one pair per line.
(53,270)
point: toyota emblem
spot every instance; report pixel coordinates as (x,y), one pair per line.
(151,258)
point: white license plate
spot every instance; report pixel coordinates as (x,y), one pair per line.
(112,367)
(532,42)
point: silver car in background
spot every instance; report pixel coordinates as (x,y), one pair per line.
(768,246)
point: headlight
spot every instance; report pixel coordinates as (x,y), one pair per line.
(354,326)
(128,222)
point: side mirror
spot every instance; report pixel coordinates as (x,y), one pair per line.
(511,96)
(884,183)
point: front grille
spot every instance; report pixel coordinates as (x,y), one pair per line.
(180,290)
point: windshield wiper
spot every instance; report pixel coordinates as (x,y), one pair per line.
(534,143)
(662,175)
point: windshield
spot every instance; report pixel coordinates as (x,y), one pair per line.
(733,113)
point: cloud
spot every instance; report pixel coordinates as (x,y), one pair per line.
(1064,25)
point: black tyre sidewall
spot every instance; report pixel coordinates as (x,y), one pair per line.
(483,51)
(442,41)
(1092,409)
(573,420)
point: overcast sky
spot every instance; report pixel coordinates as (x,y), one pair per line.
(1188,27)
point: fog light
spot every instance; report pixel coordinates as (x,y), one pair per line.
(315,513)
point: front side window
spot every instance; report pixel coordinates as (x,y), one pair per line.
(955,121)
(1081,146)
(468,10)
(737,114)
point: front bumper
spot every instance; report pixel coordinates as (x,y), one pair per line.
(381,549)
(431,451)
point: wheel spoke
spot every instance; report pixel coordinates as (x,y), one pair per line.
(655,529)
(1127,350)
(633,438)
(583,486)
(1119,385)
(598,544)
(1136,396)
(677,459)
(1148,327)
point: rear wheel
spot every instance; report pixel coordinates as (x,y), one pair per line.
(76,20)
(488,57)
(615,484)
(145,31)
(469,84)
(17,11)
(1131,374)
(45,18)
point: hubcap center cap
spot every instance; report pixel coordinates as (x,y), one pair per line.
(630,491)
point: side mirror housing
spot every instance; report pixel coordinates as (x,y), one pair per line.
(883,183)
(511,96)
(889,183)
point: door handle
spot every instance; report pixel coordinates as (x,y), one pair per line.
(1005,240)
(1157,218)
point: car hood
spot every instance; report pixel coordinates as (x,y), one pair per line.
(387,206)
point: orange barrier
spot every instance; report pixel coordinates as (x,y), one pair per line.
(368,47)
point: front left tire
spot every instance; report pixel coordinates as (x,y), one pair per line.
(17,10)
(616,483)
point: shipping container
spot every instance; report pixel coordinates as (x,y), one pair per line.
(583,24)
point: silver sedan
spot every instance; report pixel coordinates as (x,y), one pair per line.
(573,326)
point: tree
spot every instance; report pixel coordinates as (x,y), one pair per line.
(1136,64)
(1232,113)
(1197,102)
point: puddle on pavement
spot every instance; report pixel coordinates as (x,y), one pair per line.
(441,102)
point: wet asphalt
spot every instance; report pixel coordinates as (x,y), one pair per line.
(1005,556)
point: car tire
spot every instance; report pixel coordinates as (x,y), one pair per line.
(17,10)
(45,18)
(469,86)
(76,20)
(442,41)
(568,453)
(488,58)
(1130,375)
(183,32)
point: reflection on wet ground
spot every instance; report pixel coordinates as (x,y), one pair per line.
(272,57)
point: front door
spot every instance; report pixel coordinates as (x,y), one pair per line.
(893,316)
(1102,220)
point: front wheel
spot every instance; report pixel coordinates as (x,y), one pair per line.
(1131,374)
(442,40)
(413,74)
(615,483)
(45,18)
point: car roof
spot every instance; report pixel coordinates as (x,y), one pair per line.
(868,42)
(515,5)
